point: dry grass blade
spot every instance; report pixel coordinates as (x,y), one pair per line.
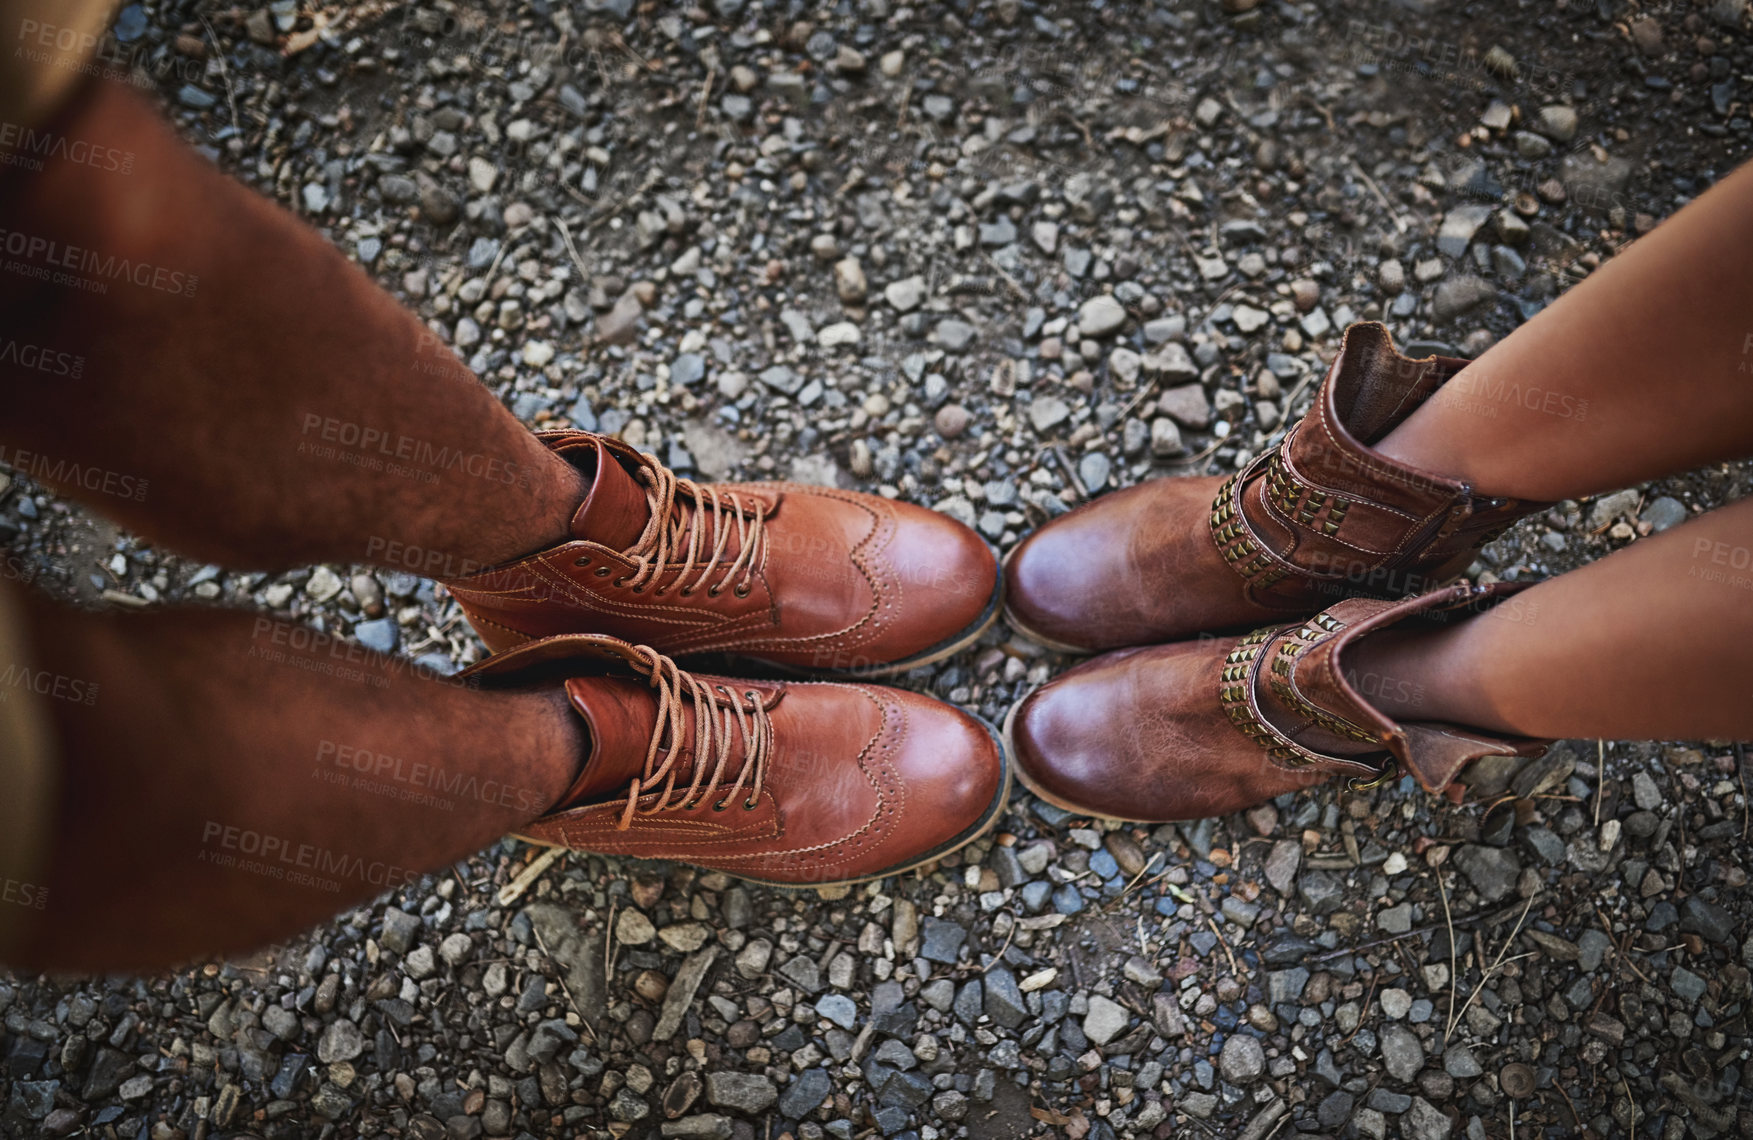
(560,976)
(527,877)
(1496,963)
(1454,977)
(1227,952)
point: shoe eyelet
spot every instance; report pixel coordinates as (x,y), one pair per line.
(657,593)
(713,591)
(751,694)
(720,807)
(620,582)
(639,589)
(751,805)
(722,689)
(602,571)
(741,591)
(686,591)
(582,560)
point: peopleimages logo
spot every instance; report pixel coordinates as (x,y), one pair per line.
(383,449)
(36,358)
(46,684)
(63,473)
(419,775)
(276,857)
(30,146)
(46,253)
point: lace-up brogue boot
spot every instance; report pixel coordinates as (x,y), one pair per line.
(1319,517)
(807,577)
(1215,725)
(798,784)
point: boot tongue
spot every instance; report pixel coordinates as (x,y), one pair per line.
(615,512)
(619,713)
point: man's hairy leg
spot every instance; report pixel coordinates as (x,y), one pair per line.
(227,780)
(222,381)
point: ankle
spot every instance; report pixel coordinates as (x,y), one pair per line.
(1444,435)
(1418,675)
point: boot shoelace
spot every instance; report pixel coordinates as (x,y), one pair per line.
(672,540)
(719,722)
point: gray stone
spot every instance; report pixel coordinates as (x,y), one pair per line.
(955,335)
(970,1002)
(805,1093)
(998,233)
(1609,508)
(1004,1001)
(281,1022)
(1688,985)
(1105,1020)
(905,295)
(680,995)
(1172,363)
(1710,921)
(1459,295)
(1124,365)
(702,1126)
(747,1093)
(1491,870)
(1320,891)
(341,1041)
(1047,412)
(550,1039)
(399,930)
(1663,512)
(1242,1060)
(1286,985)
(1402,1054)
(1165,438)
(1395,919)
(32,1100)
(1100,316)
(1458,227)
(941,940)
(1592,948)
(1187,405)
(1558,122)
(1460,1063)
(1094,469)
(1282,863)
(687,368)
(839,1009)
(1423,1121)
(1335,1110)
(781,379)
(1163,329)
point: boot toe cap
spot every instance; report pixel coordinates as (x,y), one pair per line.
(946,580)
(954,774)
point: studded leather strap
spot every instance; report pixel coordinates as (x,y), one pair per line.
(1239,695)
(1236,540)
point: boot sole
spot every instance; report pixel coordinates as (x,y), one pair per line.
(1021,627)
(1034,789)
(978,828)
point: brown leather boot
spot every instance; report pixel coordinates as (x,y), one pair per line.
(805,784)
(1318,517)
(1204,728)
(808,577)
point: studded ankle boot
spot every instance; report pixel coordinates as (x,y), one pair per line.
(1215,725)
(1319,517)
